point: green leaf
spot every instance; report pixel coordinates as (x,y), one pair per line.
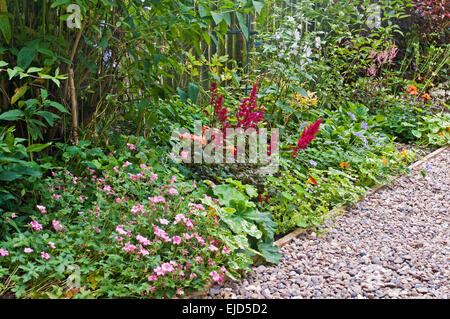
(227,18)
(33,70)
(242,24)
(9,176)
(5,28)
(25,57)
(59,107)
(193,91)
(19,92)
(217,17)
(183,96)
(12,115)
(3,63)
(58,3)
(416,133)
(37,147)
(258,6)
(270,252)
(202,11)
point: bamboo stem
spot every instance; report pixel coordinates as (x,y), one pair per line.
(74,106)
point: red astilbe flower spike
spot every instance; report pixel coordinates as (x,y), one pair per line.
(249,115)
(220,112)
(307,136)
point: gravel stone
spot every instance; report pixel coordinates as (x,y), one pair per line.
(392,244)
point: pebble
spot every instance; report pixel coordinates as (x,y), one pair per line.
(392,244)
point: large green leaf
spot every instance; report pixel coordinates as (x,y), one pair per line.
(37,147)
(9,176)
(5,28)
(193,91)
(217,17)
(26,56)
(258,6)
(12,115)
(270,252)
(242,24)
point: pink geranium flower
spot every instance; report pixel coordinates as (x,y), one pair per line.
(36,225)
(176,240)
(213,248)
(4,252)
(45,255)
(41,208)
(27,250)
(214,275)
(52,244)
(57,225)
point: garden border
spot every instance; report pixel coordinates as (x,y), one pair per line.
(335,212)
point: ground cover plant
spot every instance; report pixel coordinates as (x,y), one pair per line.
(93,201)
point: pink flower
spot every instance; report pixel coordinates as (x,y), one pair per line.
(180,291)
(36,225)
(167,267)
(176,240)
(189,224)
(131,146)
(154,177)
(28,250)
(152,278)
(164,221)
(115,168)
(138,208)
(199,260)
(187,236)
(96,229)
(45,255)
(172,191)
(41,208)
(126,164)
(143,252)
(179,218)
(159,271)
(173,180)
(212,247)
(214,275)
(225,250)
(13,215)
(120,230)
(3,252)
(52,244)
(144,241)
(157,199)
(57,225)
(184,155)
(129,247)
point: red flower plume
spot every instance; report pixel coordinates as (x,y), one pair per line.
(307,136)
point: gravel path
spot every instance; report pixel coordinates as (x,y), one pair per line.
(393,244)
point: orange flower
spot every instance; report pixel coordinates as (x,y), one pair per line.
(344,165)
(311,180)
(385,162)
(426,97)
(403,153)
(412,90)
